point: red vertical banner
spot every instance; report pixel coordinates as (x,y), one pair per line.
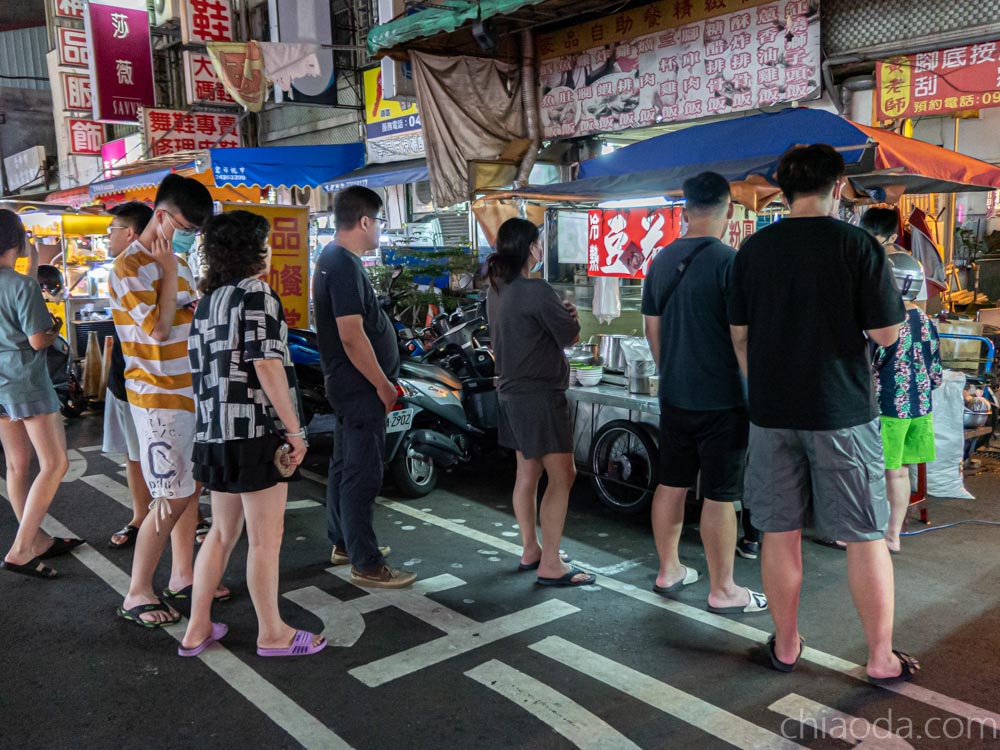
(623,242)
(121,59)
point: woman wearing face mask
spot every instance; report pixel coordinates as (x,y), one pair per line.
(530,327)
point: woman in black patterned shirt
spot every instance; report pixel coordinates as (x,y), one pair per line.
(246,406)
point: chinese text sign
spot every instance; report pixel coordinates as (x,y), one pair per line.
(121,59)
(623,243)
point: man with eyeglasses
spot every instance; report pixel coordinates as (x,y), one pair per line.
(360,357)
(152,298)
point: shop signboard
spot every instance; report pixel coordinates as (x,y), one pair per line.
(289,241)
(72,44)
(623,242)
(205,21)
(675,61)
(121,59)
(25,168)
(169,130)
(85,136)
(939,82)
(76,92)
(392,128)
(68,8)
(741,225)
(201,83)
(120,152)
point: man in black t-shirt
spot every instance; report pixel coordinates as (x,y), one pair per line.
(360,356)
(806,291)
(703,417)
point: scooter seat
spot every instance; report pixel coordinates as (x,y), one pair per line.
(431,372)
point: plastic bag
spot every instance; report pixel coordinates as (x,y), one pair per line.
(638,358)
(944,475)
(607,303)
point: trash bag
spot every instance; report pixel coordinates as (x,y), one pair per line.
(944,475)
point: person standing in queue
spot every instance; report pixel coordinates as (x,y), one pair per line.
(30,421)
(530,326)
(703,428)
(809,293)
(248,422)
(360,358)
(128,222)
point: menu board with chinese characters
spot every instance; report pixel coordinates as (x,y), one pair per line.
(939,82)
(170,130)
(674,61)
(623,242)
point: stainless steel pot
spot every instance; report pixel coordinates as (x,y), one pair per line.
(582,354)
(975,419)
(610,351)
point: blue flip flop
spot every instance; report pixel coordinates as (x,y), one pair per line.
(567,580)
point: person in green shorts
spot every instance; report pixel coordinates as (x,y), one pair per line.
(905,374)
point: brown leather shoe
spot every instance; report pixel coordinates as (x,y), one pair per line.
(339,555)
(383,577)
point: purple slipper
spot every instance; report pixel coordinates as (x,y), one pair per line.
(301,646)
(218,631)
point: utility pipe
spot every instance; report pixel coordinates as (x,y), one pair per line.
(529,99)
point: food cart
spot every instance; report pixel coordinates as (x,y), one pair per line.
(616,440)
(76,243)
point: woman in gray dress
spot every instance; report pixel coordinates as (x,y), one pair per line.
(530,326)
(30,421)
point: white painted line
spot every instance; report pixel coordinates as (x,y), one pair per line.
(92,448)
(567,717)
(115,490)
(459,642)
(300,504)
(708,718)
(77,466)
(306,729)
(820,658)
(613,570)
(833,723)
(313,476)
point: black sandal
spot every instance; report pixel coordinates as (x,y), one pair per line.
(60,547)
(34,567)
(783,666)
(910,667)
(201,531)
(130,533)
(132,615)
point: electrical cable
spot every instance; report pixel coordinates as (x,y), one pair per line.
(948,526)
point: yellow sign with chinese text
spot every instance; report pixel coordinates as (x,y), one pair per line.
(289,240)
(648,19)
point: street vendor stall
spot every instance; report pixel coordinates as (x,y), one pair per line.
(616,442)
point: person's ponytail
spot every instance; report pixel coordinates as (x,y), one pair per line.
(514,241)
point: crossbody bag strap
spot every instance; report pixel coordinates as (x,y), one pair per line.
(682,267)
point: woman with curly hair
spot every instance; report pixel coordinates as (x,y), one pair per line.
(246,407)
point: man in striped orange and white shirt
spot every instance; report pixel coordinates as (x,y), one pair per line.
(152,300)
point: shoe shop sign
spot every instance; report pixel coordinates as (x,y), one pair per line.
(678,60)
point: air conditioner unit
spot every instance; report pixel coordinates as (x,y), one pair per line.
(421,198)
(164,12)
(309,197)
(397,81)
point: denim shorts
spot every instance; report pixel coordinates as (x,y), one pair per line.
(48,404)
(838,474)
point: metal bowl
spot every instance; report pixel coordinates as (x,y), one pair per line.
(975,419)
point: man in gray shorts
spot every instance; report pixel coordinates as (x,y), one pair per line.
(806,292)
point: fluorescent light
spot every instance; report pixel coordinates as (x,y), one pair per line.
(658,200)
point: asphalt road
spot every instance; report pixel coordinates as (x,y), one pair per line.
(476,656)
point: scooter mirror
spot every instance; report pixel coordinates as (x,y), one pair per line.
(396,272)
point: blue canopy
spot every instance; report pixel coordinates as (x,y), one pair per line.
(381,175)
(736,149)
(284,166)
(131,181)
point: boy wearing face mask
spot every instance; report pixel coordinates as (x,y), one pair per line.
(152,300)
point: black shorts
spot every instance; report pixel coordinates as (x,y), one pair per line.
(238,466)
(712,442)
(536,424)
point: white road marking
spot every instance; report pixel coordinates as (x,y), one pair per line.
(312,475)
(108,486)
(612,570)
(343,621)
(567,717)
(708,718)
(301,504)
(77,466)
(306,729)
(833,723)
(460,641)
(828,661)
(92,448)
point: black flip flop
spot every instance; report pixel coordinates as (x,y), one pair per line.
(201,531)
(187,592)
(34,568)
(780,665)
(534,566)
(831,543)
(910,667)
(130,533)
(567,580)
(132,615)
(60,546)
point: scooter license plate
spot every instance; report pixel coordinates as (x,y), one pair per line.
(399,421)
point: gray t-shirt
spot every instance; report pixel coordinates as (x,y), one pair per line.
(24,375)
(530,327)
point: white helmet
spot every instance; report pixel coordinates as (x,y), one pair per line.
(907,273)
